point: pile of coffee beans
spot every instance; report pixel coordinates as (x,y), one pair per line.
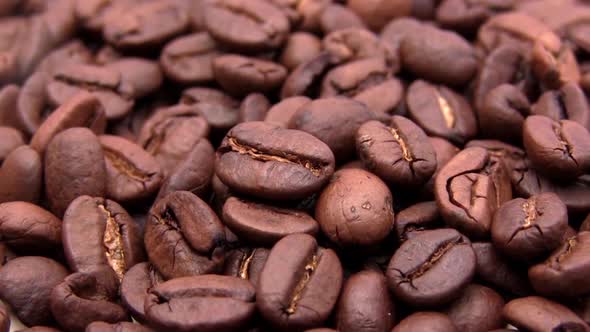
(295,165)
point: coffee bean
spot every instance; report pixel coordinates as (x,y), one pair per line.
(72,52)
(478,308)
(554,68)
(217,107)
(567,103)
(183,236)
(377,13)
(264,224)
(396,30)
(132,173)
(305,76)
(299,48)
(189,59)
(254,108)
(503,113)
(282,112)
(426,321)
(431,268)
(32,104)
(560,150)
(365,304)
(266,161)
(528,229)
(144,76)
(26,284)
(74,160)
(204,303)
(535,313)
(355,208)
(298,289)
(136,283)
(21,176)
(80,293)
(246,263)
(118,327)
(353,44)
(415,219)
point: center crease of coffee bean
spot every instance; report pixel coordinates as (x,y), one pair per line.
(90,85)
(530,209)
(431,261)
(406,153)
(245,264)
(571,243)
(126,167)
(113,242)
(446,110)
(296,296)
(566,148)
(259,155)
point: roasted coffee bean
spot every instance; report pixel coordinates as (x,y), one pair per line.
(255,25)
(395,31)
(426,321)
(337,17)
(334,121)
(132,173)
(497,271)
(32,104)
(300,48)
(254,108)
(217,107)
(262,224)
(79,293)
(567,103)
(144,76)
(21,176)
(136,283)
(478,308)
(376,13)
(469,189)
(535,313)
(503,112)
(356,208)
(298,289)
(189,59)
(10,139)
(560,150)
(565,272)
(118,327)
(554,68)
(145,25)
(365,304)
(354,44)
(114,93)
(26,284)
(4,318)
(264,160)
(415,219)
(399,153)
(441,112)
(281,113)
(82,110)
(304,78)
(432,268)
(74,166)
(528,229)
(194,173)
(246,263)
(183,236)
(101,238)
(439,56)
(241,75)
(29,228)
(171,133)
(201,303)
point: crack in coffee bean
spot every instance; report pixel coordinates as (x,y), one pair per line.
(245,264)
(255,154)
(113,242)
(530,209)
(473,194)
(446,110)
(406,153)
(566,147)
(297,292)
(430,262)
(125,166)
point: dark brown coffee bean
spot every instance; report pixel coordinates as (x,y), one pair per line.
(183,236)
(469,189)
(567,103)
(145,25)
(365,304)
(118,327)
(337,17)
(496,270)
(132,173)
(217,107)
(439,56)
(254,108)
(478,308)
(399,153)
(26,284)
(10,139)
(171,133)
(144,76)
(201,303)
(82,110)
(267,161)
(241,75)
(432,268)
(334,121)
(441,112)
(246,263)
(535,313)
(528,229)
(80,293)
(560,150)
(281,113)
(21,176)
(194,173)
(74,166)
(189,59)
(255,25)
(426,321)
(29,228)
(4,318)
(101,238)
(303,79)
(298,289)
(503,112)
(299,48)
(135,287)
(114,93)
(554,68)
(565,272)
(377,13)
(415,219)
